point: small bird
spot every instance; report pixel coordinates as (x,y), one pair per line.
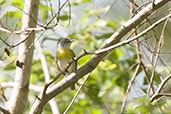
(65,54)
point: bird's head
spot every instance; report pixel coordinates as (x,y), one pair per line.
(65,43)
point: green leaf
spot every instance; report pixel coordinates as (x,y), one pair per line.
(96,111)
(83,60)
(79,2)
(112,24)
(2,2)
(104,35)
(10,67)
(82,102)
(86,1)
(44,14)
(64,17)
(107,65)
(115,54)
(45,7)
(18,3)
(114,80)
(37,75)
(157,79)
(14,14)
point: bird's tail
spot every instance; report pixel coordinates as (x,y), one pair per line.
(72,86)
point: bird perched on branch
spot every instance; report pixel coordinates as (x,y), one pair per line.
(64,55)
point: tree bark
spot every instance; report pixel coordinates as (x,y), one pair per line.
(19,96)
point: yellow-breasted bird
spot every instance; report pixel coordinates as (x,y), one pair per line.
(65,54)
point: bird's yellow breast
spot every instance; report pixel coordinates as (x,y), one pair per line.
(63,53)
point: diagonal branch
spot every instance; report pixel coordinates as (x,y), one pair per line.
(129,86)
(32,87)
(3,94)
(133,38)
(157,56)
(29,29)
(79,89)
(157,93)
(4,110)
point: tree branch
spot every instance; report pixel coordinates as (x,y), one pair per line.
(3,94)
(32,87)
(79,89)
(129,87)
(4,111)
(133,38)
(157,93)
(157,56)
(29,29)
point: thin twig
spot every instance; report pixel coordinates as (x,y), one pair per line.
(69,106)
(129,87)
(157,93)
(4,42)
(133,38)
(51,7)
(69,15)
(165,94)
(4,111)
(28,35)
(56,14)
(14,45)
(26,30)
(157,55)
(139,57)
(32,87)
(142,5)
(30,15)
(3,94)
(111,6)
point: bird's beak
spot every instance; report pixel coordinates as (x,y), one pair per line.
(72,40)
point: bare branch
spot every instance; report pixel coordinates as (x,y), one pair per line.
(26,30)
(4,42)
(79,89)
(133,38)
(157,55)
(129,86)
(4,111)
(32,87)
(157,93)
(3,94)
(139,57)
(56,15)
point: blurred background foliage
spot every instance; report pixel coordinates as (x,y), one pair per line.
(90,24)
